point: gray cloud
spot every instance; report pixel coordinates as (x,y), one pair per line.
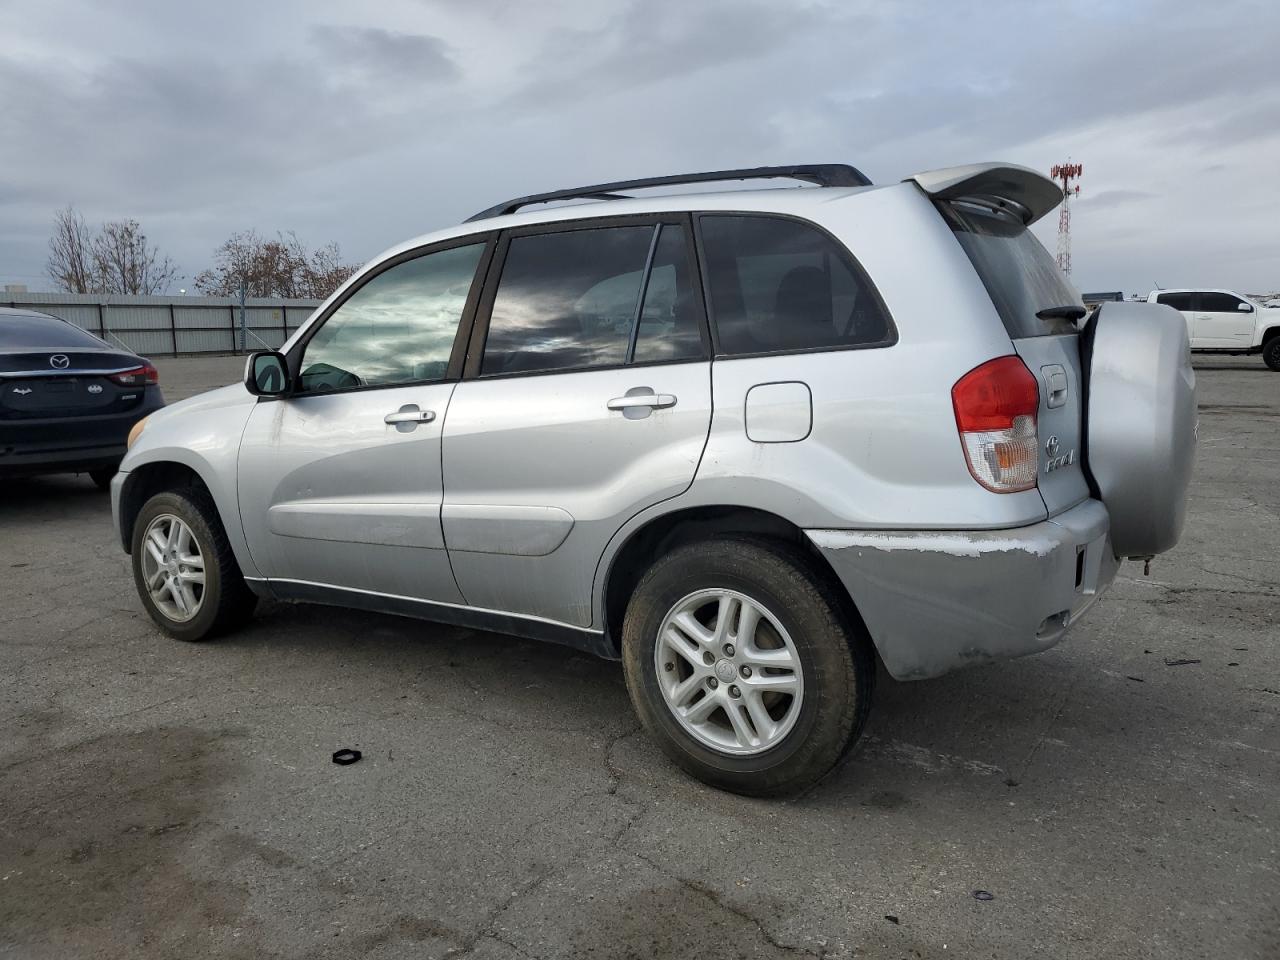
(1114,198)
(370,126)
(384,56)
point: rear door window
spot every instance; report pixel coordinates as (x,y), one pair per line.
(1020,276)
(1179,301)
(778,285)
(1220,303)
(593,298)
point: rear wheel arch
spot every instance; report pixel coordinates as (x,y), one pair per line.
(1271,348)
(661,534)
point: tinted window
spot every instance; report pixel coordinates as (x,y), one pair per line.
(397,328)
(777,284)
(570,300)
(28,331)
(1020,276)
(1219,303)
(669,322)
(1179,301)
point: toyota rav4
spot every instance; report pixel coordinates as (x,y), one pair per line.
(748,442)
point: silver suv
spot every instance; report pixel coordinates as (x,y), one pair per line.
(745,441)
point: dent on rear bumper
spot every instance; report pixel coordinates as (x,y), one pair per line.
(934,601)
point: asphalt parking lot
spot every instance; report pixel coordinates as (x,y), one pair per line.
(162,800)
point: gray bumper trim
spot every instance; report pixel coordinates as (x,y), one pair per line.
(934,601)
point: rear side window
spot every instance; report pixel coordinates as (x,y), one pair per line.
(781,285)
(1017,271)
(1179,301)
(599,297)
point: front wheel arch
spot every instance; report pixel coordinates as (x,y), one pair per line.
(144,482)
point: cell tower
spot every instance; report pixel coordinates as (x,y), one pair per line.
(1064,173)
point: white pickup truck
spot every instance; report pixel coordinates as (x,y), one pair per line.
(1226,322)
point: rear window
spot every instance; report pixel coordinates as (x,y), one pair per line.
(780,285)
(25,332)
(1016,269)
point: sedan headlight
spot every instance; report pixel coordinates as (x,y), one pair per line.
(136,431)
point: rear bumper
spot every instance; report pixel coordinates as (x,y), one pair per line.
(938,600)
(69,444)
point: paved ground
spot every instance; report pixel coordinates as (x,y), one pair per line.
(161,800)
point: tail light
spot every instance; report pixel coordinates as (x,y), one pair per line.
(996,406)
(143,376)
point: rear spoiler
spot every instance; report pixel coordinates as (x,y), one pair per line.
(1020,190)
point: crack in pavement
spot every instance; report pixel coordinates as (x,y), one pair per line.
(710,894)
(489,925)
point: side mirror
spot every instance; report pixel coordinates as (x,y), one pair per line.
(1244,307)
(266,374)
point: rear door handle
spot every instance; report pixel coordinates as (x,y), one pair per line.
(655,400)
(639,402)
(408,417)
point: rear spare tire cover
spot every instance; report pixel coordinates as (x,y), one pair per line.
(1141,422)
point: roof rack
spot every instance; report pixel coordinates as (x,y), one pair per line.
(822,174)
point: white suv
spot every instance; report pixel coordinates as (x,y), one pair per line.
(1224,321)
(746,442)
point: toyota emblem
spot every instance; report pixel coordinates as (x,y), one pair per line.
(1051,447)
(59,361)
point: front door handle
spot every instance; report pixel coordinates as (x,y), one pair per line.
(408,417)
(639,402)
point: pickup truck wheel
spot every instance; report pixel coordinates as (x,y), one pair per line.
(1271,354)
(741,661)
(184,569)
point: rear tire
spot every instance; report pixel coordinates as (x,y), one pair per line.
(1271,354)
(102,478)
(799,622)
(178,536)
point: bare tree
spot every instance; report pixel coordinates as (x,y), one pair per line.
(127,263)
(115,259)
(282,267)
(70,264)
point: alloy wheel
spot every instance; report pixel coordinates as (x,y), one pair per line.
(729,671)
(173,568)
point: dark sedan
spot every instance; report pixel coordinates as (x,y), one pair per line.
(67,399)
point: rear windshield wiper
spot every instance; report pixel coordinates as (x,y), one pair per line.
(1069,312)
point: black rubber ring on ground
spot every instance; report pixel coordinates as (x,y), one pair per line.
(345,757)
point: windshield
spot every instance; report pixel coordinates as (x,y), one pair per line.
(1017,271)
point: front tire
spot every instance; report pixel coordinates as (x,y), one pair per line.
(1271,354)
(102,477)
(183,567)
(746,667)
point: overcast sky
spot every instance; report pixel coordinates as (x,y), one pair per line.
(369,123)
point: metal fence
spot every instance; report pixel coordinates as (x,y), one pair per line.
(171,325)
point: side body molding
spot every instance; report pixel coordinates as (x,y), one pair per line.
(519,530)
(381,522)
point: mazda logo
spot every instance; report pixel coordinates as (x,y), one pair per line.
(59,361)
